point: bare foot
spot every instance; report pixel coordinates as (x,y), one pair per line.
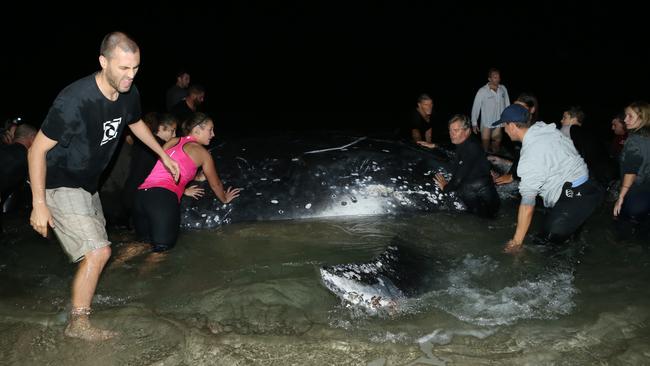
(81,328)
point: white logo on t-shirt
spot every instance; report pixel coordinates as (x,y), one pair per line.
(110,130)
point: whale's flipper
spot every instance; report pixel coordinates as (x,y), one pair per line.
(394,275)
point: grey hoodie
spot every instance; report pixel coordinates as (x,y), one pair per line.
(548,160)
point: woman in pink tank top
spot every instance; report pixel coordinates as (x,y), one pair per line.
(157,201)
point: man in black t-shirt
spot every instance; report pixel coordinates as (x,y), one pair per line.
(178,91)
(420,125)
(73,147)
(186,107)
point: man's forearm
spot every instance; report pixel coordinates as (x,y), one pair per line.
(37,173)
(142,132)
(524,218)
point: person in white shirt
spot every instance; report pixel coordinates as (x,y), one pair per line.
(490,100)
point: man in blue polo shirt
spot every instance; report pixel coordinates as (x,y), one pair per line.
(549,166)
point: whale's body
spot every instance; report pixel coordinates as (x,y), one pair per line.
(321,176)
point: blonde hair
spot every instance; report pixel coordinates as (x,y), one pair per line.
(642,109)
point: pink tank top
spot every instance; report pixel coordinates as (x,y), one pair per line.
(160,177)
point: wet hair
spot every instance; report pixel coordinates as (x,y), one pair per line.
(167,120)
(531,102)
(642,109)
(577,113)
(25,131)
(463,119)
(424,96)
(154,120)
(117,39)
(195,119)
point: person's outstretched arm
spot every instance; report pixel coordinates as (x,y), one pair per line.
(210,172)
(524,218)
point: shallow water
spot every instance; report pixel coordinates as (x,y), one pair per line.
(251,294)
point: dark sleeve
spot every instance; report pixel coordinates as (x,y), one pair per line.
(631,157)
(63,120)
(414,120)
(136,106)
(469,156)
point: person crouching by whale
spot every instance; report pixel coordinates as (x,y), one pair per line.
(472,179)
(549,166)
(157,201)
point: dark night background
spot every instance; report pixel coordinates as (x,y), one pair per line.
(309,65)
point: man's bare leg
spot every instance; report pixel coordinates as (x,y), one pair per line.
(83,289)
(496,139)
(485,138)
(496,145)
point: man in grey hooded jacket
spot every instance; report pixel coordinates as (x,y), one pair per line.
(549,167)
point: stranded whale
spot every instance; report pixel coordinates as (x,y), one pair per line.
(321,175)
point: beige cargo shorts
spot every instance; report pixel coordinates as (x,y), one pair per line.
(79,221)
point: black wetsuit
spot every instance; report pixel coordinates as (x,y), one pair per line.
(472,179)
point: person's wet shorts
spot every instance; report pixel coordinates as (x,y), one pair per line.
(79,222)
(491,132)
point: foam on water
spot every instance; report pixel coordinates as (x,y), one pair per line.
(545,296)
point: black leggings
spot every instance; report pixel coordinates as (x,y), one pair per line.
(571,210)
(156,215)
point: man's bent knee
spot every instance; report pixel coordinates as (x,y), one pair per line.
(99,255)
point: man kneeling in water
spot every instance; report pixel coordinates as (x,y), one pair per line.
(472,178)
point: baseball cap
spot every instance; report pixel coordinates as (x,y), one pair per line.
(513,113)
